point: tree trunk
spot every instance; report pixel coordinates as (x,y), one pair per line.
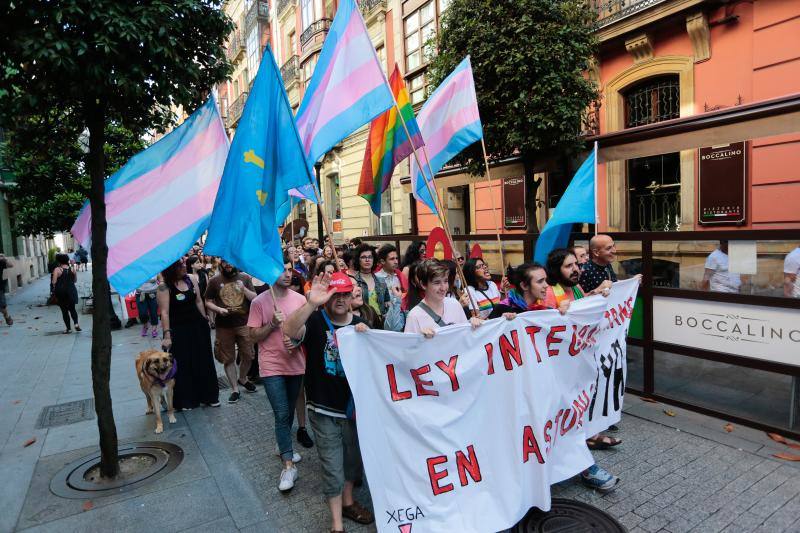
(531,188)
(101,326)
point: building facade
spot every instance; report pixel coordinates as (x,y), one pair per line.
(28,253)
(658,60)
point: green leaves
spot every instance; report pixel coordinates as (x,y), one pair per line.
(528,57)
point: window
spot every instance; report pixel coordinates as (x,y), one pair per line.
(420,26)
(310,11)
(654,183)
(252,52)
(653,100)
(416,89)
(443,5)
(292,46)
(307,12)
(308,69)
(386,227)
(381,52)
(335,197)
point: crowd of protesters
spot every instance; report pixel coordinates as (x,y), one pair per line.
(284,335)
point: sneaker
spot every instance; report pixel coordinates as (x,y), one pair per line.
(234,397)
(248,386)
(304,438)
(144,330)
(155,332)
(213,404)
(598,479)
(9,321)
(296,457)
(288,477)
(78,328)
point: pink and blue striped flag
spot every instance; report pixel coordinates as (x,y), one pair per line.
(160,202)
(449,122)
(348,88)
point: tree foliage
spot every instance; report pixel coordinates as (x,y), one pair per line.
(104,62)
(51,179)
(529,59)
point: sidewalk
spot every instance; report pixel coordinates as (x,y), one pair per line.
(681,473)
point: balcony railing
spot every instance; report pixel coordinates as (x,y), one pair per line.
(610,11)
(319,26)
(368,5)
(235,110)
(235,47)
(283,5)
(290,71)
(258,12)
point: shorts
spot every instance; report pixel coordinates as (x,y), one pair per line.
(226,342)
(336,441)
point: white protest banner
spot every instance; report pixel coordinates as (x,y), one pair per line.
(468,430)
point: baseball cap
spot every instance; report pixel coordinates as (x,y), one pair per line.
(341,282)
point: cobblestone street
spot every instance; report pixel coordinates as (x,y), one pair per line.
(679,473)
(672,480)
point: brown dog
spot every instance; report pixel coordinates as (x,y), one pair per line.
(156,371)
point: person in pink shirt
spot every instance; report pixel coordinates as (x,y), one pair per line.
(281,363)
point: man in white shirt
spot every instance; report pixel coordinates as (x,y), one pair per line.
(791,274)
(716,277)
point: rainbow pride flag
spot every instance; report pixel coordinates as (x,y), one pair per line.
(388,144)
(160,202)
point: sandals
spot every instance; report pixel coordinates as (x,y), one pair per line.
(358,513)
(602,442)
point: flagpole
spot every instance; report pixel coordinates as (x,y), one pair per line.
(494,211)
(291,222)
(437,201)
(596,211)
(326,223)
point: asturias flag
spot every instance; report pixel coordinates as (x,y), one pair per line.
(388,144)
(266,160)
(160,202)
(577,205)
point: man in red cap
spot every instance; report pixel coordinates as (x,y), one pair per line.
(327,392)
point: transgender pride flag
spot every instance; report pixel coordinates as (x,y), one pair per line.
(449,122)
(160,202)
(348,88)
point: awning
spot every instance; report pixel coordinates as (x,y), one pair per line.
(739,123)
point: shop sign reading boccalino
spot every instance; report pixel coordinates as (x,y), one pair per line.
(768,333)
(723,184)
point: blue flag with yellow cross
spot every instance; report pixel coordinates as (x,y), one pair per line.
(265,161)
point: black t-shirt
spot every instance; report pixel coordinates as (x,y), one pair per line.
(593,275)
(327,391)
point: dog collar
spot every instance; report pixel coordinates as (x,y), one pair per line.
(169,375)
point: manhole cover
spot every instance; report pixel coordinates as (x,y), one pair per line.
(66,413)
(223,382)
(569,516)
(140,463)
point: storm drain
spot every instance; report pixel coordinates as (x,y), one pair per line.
(569,516)
(63,414)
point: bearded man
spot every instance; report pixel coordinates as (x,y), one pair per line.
(563,274)
(229,294)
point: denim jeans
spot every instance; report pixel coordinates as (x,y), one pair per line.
(282,394)
(148,309)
